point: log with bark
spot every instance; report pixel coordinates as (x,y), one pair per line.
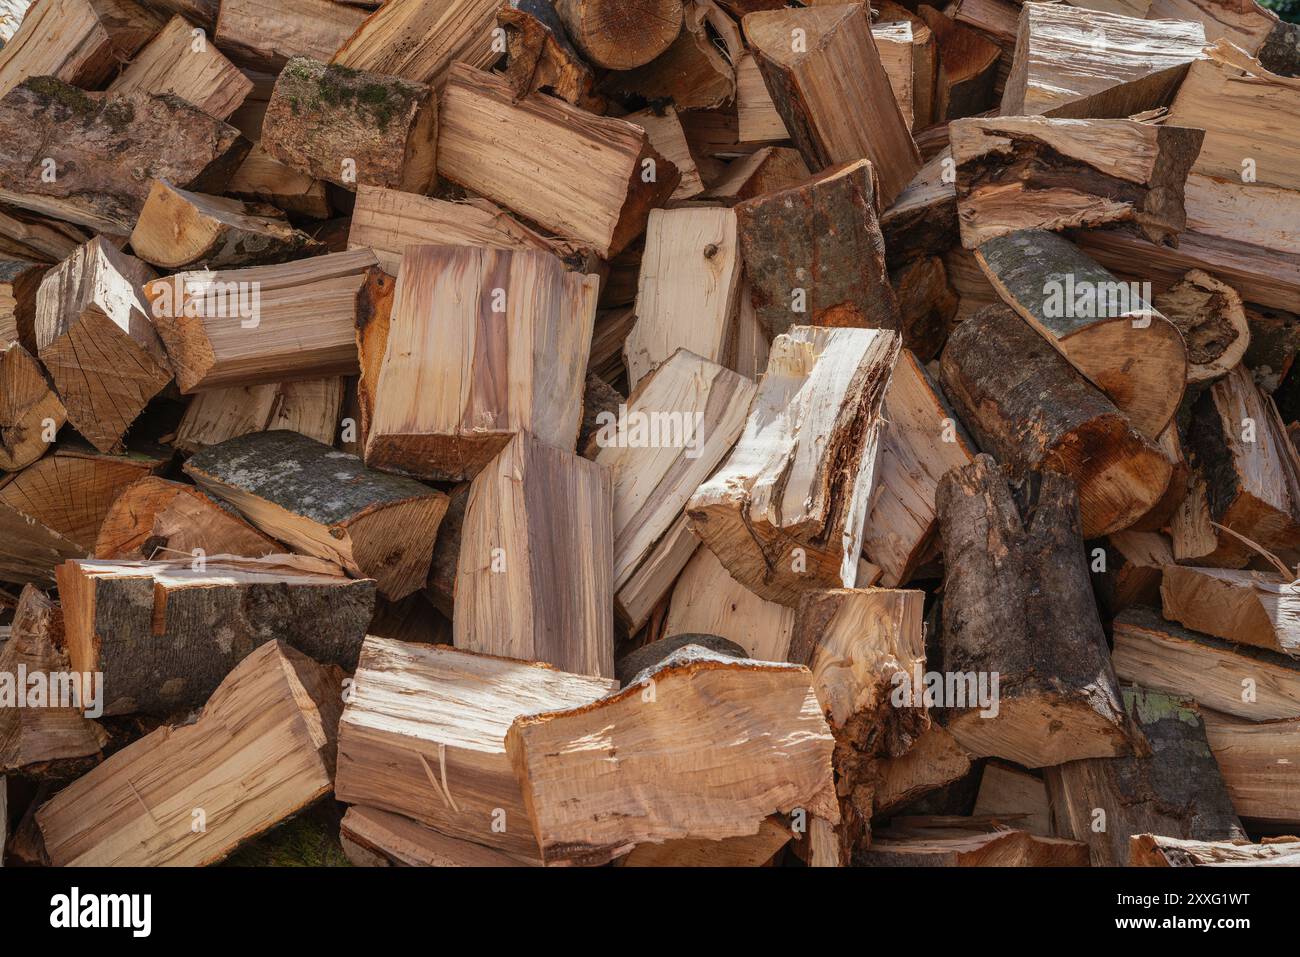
(1258,762)
(696,71)
(31,412)
(542,58)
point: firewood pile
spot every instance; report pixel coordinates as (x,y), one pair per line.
(650,432)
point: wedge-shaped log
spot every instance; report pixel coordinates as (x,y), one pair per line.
(669,137)
(309,406)
(1039,414)
(1260,764)
(1018,610)
(922,441)
(784,514)
(30,411)
(1261,609)
(477,350)
(1103,327)
(621,34)
(350,126)
(1156,850)
(824,74)
(263,323)
(261,750)
(419,41)
(766,170)
(97,342)
(424,735)
(726,743)
(105,149)
(894,44)
(687,289)
(1032,172)
(707,600)
(326,503)
(535,578)
(264,38)
(935,761)
(542,58)
(922,221)
(589,178)
(165,634)
(814,254)
(178,228)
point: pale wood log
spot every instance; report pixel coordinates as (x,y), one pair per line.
(264,35)
(261,750)
(924,59)
(375,838)
(645,592)
(1014,797)
(30,551)
(261,178)
(327,504)
(419,41)
(424,735)
(669,138)
(178,61)
(894,43)
(1260,766)
(748,851)
(692,72)
(758,119)
(1154,850)
(535,578)
(31,414)
(309,406)
(707,600)
(1210,315)
(992,849)
(784,514)
(693,778)
(621,34)
(934,761)
(1252,608)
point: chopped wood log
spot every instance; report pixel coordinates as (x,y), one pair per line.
(175,62)
(165,634)
(1039,414)
(1018,603)
(1014,797)
(30,411)
(542,58)
(686,293)
(419,41)
(927,305)
(784,514)
(1261,609)
(1240,680)
(348,126)
(650,656)
(1260,766)
(1274,342)
(1154,850)
(1085,63)
(1132,564)
(669,138)
(824,74)
(748,851)
(37,238)
(105,149)
(707,600)
(49,736)
(766,170)
(757,118)
(922,220)
(674,430)
(814,254)
(966,68)
(240,327)
(79,42)
(589,178)
(97,342)
(991,849)
(934,761)
(264,36)
(648,589)
(178,228)
(894,44)
(19,280)
(1213,322)
(441,587)
(922,441)
(613,326)
(375,838)
(265,180)
(327,504)
(476,351)
(621,34)
(309,406)
(535,577)
(438,756)
(695,72)
(693,778)
(30,551)
(154,518)
(1033,172)
(261,750)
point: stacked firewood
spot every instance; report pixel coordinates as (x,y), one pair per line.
(651,432)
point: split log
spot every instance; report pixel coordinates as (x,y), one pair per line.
(894,44)
(175,62)
(1261,609)
(541,58)
(592,179)
(922,220)
(814,254)
(613,326)
(824,75)
(309,406)
(650,656)
(105,150)
(757,118)
(438,756)
(765,170)
(327,504)
(1154,850)
(348,126)
(991,849)
(79,42)
(621,34)
(927,305)
(261,323)
(667,135)
(642,597)
(30,551)
(707,600)
(375,838)
(478,349)
(1212,320)
(1033,172)
(784,514)
(1085,63)
(695,72)
(265,180)
(419,41)
(966,68)
(261,750)
(1018,604)
(96,340)
(30,411)
(50,736)
(1103,327)
(441,587)
(154,518)
(1240,680)
(1039,414)
(701,770)
(1014,797)
(262,36)
(1260,766)
(19,280)
(934,761)
(1132,563)
(922,441)
(686,293)
(535,577)
(37,238)
(748,851)
(1175,790)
